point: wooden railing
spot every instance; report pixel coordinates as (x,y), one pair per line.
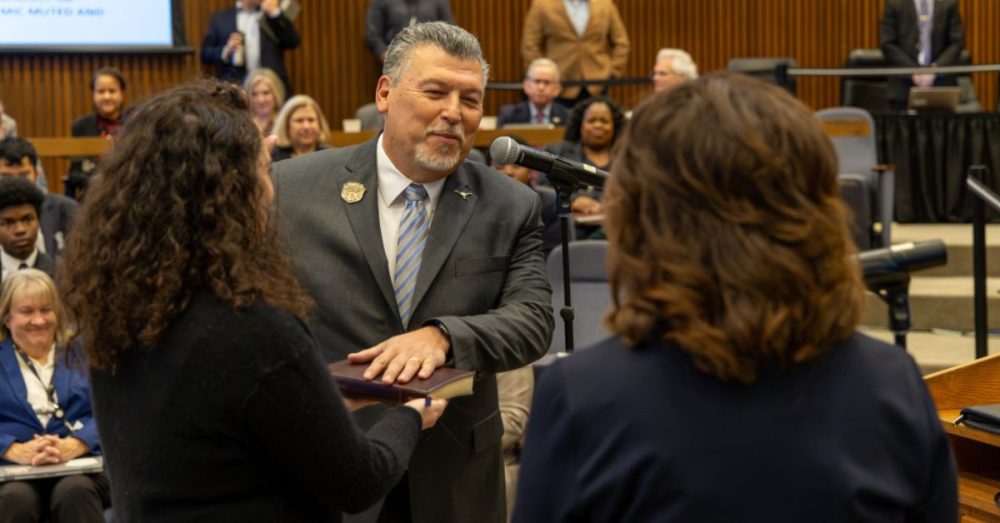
(62,147)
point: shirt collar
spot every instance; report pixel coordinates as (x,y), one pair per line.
(13,263)
(392,182)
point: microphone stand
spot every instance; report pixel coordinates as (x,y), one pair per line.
(564,197)
(894,289)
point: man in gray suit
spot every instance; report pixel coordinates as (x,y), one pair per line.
(418,259)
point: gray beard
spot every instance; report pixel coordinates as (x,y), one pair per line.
(440,161)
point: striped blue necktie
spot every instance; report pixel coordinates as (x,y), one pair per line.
(409,248)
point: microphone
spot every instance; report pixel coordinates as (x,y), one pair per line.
(904,257)
(505,151)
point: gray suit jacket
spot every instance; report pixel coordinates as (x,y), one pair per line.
(482,275)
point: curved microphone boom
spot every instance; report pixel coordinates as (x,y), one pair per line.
(904,257)
(505,151)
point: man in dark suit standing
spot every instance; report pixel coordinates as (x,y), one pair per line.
(20,206)
(920,33)
(542,86)
(418,259)
(250,36)
(18,158)
(386,18)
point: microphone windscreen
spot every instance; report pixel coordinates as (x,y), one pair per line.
(504,150)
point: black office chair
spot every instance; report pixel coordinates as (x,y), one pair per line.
(867,92)
(968,98)
(770,70)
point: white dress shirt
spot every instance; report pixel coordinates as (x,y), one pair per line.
(248,23)
(11,263)
(392,183)
(579,14)
(37,397)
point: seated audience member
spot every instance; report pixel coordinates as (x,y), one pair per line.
(8,129)
(8,125)
(736,388)
(107,85)
(301,129)
(20,207)
(514,389)
(551,233)
(19,159)
(672,68)
(386,18)
(267,95)
(208,388)
(45,413)
(541,86)
(594,126)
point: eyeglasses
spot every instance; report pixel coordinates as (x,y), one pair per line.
(541,81)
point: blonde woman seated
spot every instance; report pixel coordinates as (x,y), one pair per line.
(267,95)
(45,413)
(301,129)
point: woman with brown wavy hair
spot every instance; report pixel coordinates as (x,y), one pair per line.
(736,388)
(209,392)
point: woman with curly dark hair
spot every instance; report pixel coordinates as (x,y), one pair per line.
(209,392)
(736,387)
(593,128)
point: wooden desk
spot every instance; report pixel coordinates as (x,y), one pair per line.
(976,452)
(65,147)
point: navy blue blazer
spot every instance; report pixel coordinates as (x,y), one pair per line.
(521,113)
(18,423)
(272,50)
(641,435)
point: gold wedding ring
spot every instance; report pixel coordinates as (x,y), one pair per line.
(418,360)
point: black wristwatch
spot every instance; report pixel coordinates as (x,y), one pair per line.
(441,327)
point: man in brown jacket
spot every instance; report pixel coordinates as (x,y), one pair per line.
(586,38)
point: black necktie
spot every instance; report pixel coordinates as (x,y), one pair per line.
(22,266)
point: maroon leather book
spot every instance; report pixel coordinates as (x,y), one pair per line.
(446,383)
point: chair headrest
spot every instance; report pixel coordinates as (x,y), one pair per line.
(866,58)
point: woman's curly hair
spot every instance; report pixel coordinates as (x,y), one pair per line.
(728,233)
(179,204)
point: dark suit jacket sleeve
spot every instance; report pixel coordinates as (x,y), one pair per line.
(444,12)
(298,418)
(375,29)
(547,479)
(288,36)
(890,35)
(215,40)
(505,116)
(956,38)
(519,330)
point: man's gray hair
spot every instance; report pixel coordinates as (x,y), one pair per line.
(453,40)
(543,63)
(682,63)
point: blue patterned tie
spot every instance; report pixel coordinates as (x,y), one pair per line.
(925,34)
(409,248)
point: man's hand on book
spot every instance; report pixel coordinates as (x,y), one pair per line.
(400,358)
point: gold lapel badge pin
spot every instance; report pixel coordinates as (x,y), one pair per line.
(352,192)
